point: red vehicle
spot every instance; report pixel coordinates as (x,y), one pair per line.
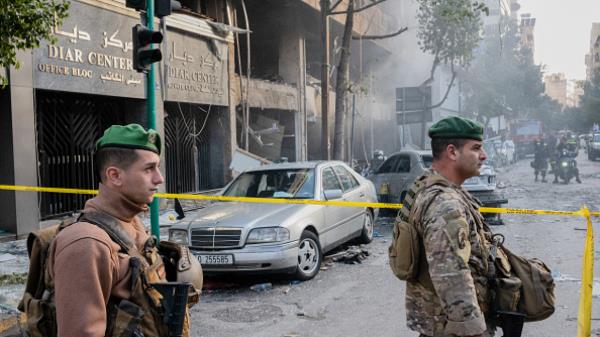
(523,133)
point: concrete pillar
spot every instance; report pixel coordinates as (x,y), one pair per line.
(19,211)
(230,141)
(292,68)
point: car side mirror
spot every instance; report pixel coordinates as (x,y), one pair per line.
(333,194)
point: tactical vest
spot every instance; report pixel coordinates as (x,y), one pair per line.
(143,314)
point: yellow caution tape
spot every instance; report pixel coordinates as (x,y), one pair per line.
(211,197)
(528,211)
(290,201)
(47,189)
(278,200)
(584,318)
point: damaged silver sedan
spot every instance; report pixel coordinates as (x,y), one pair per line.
(230,237)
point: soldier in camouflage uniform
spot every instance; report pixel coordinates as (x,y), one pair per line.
(450,296)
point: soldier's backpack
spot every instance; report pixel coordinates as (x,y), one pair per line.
(523,286)
(406,249)
(39,313)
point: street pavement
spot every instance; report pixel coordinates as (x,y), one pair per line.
(365,299)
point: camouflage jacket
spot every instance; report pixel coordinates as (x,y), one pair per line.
(453,299)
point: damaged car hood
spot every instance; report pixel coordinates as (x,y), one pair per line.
(243,215)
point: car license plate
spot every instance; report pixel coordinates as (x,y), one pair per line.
(215,259)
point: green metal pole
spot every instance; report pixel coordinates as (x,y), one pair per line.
(151,115)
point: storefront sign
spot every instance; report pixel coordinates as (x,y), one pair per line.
(196,69)
(93,54)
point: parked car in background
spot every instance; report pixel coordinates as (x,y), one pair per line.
(399,171)
(232,237)
(594,147)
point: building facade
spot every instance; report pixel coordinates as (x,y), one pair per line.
(528,32)
(236,77)
(592,59)
(555,86)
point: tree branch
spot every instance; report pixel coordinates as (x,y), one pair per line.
(334,6)
(436,62)
(377,37)
(374,3)
(447,89)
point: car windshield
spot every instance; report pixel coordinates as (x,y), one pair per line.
(427,160)
(290,183)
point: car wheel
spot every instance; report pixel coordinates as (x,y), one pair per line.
(309,256)
(367,232)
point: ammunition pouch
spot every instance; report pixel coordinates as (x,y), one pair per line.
(125,319)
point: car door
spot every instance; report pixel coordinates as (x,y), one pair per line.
(352,193)
(385,175)
(334,230)
(399,177)
(406,169)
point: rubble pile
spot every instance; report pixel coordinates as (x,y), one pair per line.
(352,255)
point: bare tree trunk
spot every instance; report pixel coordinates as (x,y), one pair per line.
(342,86)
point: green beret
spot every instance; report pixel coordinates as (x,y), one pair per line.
(132,136)
(456,127)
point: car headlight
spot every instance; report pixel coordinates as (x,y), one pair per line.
(179,236)
(268,234)
(564,164)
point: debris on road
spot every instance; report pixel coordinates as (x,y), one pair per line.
(317,317)
(262,287)
(352,255)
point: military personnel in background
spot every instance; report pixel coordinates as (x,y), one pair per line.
(540,159)
(450,296)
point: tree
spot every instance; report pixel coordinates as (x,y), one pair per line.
(448,29)
(503,80)
(24,24)
(590,102)
(342,84)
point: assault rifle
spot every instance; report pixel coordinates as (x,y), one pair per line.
(174,301)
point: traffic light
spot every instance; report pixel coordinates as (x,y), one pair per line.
(161,7)
(138,5)
(143,53)
(164,7)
